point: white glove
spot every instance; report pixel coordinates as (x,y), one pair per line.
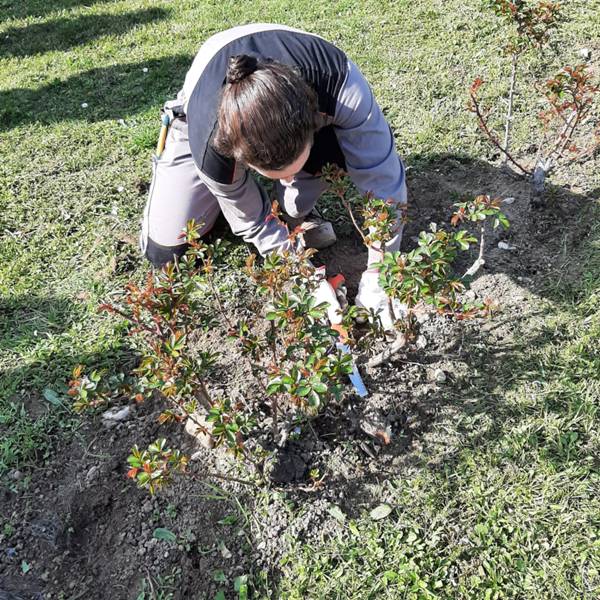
(372,297)
(325,293)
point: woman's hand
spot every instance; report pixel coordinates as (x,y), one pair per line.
(372,297)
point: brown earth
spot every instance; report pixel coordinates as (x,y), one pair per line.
(85,531)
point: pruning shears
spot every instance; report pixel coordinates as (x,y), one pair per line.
(338,283)
(162,137)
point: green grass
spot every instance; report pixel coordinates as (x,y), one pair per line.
(512,511)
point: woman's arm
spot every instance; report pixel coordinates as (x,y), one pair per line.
(247,209)
(368,144)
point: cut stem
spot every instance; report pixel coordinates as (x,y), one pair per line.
(390,351)
(479,262)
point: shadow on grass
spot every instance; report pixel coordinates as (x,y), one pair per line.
(66,33)
(27,320)
(19,9)
(115,92)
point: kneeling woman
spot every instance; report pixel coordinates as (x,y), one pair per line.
(283,103)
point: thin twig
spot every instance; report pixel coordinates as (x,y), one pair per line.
(347,206)
(564,136)
(509,112)
(218,302)
(491,136)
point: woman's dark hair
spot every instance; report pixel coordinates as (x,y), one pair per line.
(267,115)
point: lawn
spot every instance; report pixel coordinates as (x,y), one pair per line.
(495,491)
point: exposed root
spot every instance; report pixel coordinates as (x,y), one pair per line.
(387,353)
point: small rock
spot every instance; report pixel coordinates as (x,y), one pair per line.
(120,189)
(377,426)
(15,475)
(117,414)
(225,552)
(194,426)
(506,246)
(509,200)
(92,475)
(423,317)
(421,342)
(84,105)
(439,376)
(145,69)
(585,53)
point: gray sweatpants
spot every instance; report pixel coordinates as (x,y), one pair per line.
(177,195)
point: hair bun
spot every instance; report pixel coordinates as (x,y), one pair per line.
(240,67)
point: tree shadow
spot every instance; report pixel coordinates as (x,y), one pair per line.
(66,33)
(19,9)
(110,93)
(30,319)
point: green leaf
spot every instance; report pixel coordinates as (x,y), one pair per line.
(25,567)
(337,514)
(380,512)
(240,585)
(220,595)
(412,537)
(52,397)
(160,533)
(273,387)
(319,387)
(219,576)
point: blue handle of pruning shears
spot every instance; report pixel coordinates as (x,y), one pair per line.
(338,283)
(354,377)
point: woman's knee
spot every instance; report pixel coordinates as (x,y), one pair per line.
(160,255)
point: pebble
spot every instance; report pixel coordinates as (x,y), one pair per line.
(509,200)
(92,475)
(84,105)
(423,317)
(145,69)
(117,414)
(506,246)
(16,475)
(585,53)
(421,342)
(439,376)
(199,455)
